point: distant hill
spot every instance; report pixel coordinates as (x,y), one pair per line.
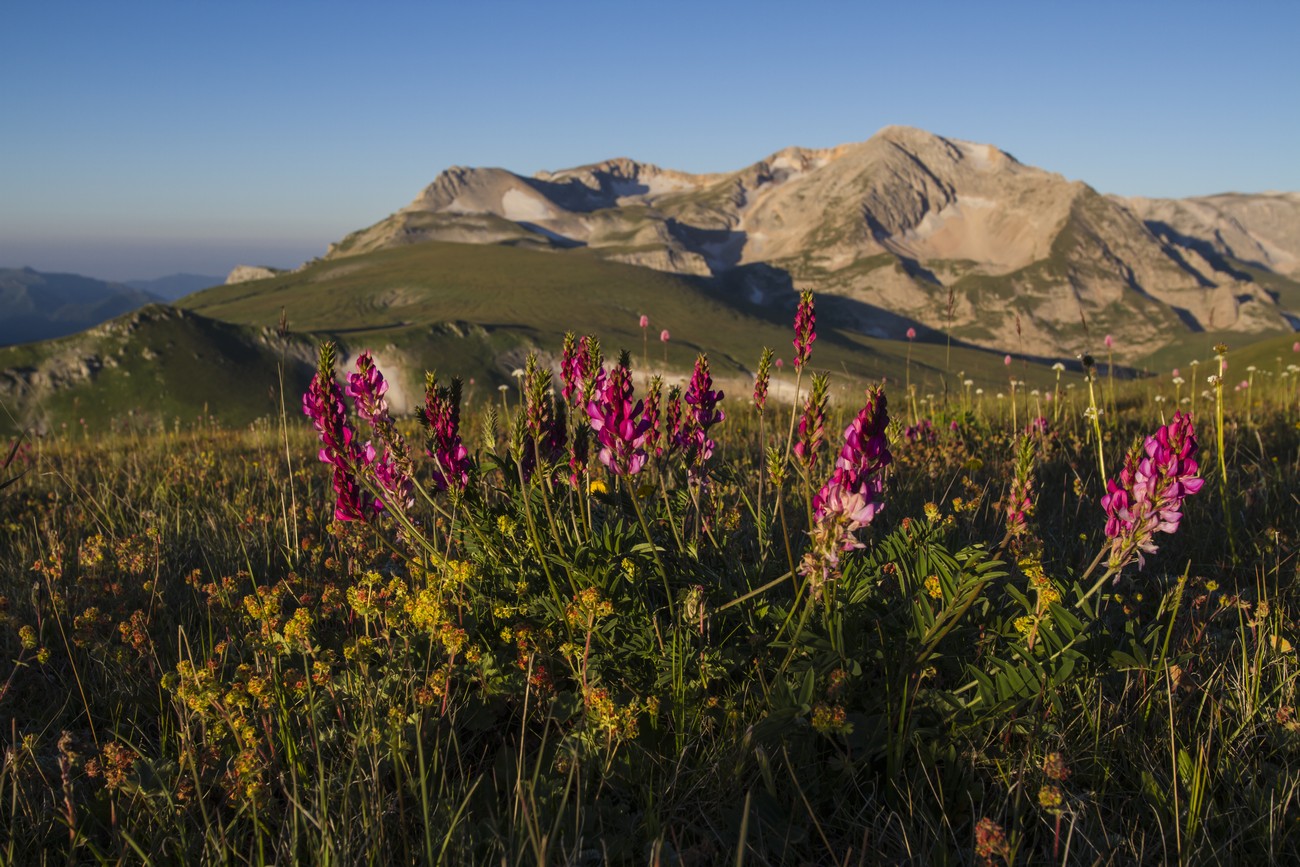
(150,367)
(949,234)
(37,306)
(175,286)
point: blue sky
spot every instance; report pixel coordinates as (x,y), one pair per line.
(143,138)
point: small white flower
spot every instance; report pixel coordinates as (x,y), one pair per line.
(979,391)
(1178,380)
(1058,366)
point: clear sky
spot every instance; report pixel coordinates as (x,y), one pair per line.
(143,138)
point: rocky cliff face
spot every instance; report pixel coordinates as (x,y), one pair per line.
(248,273)
(949,234)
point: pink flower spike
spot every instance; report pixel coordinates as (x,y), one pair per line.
(645,321)
(780,363)
(1148,497)
(1007,360)
(1109,341)
(911,334)
(1295,347)
(805,329)
(1176,373)
(663,336)
(617,421)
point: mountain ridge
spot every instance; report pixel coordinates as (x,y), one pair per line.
(954,235)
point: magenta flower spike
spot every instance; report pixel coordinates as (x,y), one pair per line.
(1006,360)
(617,422)
(664,336)
(323,404)
(645,321)
(805,329)
(703,414)
(852,496)
(1148,496)
(441,414)
(367,388)
(859,469)
(1109,341)
(911,334)
(812,424)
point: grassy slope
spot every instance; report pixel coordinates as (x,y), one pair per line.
(468,310)
(461,308)
(156,365)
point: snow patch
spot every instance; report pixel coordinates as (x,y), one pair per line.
(518,205)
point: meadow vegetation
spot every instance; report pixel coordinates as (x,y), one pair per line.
(604,618)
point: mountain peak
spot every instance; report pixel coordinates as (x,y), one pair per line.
(890,224)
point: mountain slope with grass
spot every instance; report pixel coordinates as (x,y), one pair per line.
(463,310)
(150,368)
(911,227)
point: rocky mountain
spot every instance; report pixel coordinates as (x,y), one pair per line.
(37,306)
(907,227)
(1261,230)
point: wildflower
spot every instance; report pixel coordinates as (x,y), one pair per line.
(853,495)
(1050,797)
(573,365)
(1149,494)
(441,415)
(1055,768)
(812,431)
(991,841)
(762,379)
(1109,341)
(653,417)
(922,432)
(805,329)
(367,388)
(1006,359)
(645,321)
(911,334)
(579,447)
(1020,502)
(694,436)
(664,336)
(617,421)
(323,404)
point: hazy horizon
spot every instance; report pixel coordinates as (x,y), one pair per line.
(153,138)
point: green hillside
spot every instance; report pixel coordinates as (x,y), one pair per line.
(149,368)
(460,309)
(475,310)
